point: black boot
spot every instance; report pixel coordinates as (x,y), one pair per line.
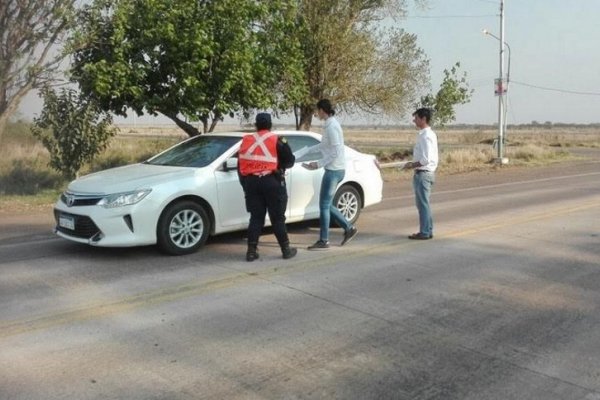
(287,251)
(252,253)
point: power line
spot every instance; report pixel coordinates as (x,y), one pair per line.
(450,16)
(556,90)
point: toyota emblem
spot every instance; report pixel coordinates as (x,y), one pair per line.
(70,200)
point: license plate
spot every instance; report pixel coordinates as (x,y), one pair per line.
(67,222)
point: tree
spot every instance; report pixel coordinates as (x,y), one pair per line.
(453,90)
(73,129)
(30,32)
(190,60)
(355,63)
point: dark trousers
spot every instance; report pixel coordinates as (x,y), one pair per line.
(266,194)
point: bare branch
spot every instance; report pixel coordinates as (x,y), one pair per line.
(30,35)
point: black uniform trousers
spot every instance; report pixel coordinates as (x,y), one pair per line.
(266,194)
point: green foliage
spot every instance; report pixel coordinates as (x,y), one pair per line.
(351,60)
(27,177)
(454,90)
(73,129)
(189,60)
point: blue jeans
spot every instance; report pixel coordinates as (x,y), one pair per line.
(331,179)
(422,183)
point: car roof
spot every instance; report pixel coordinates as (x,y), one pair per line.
(278,132)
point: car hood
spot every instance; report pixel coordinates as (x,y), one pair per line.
(129,177)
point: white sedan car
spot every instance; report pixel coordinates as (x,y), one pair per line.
(179,197)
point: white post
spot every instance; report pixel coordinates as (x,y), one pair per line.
(502,88)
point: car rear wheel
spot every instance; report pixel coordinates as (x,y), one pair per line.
(348,201)
(183,228)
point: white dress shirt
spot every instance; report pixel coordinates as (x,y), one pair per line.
(426,150)
(332,146)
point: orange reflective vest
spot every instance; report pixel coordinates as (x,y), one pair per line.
(258,153)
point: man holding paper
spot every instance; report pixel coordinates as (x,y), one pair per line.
(334,163)
(424,164)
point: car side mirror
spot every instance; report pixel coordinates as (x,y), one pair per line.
(230,164)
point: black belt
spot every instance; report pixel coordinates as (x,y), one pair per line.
(262,174)
(418,171)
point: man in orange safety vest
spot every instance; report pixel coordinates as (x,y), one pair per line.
(263,158)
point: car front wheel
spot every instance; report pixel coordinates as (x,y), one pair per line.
(183,228)
(348,201)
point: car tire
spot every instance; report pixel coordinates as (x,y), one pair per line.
(182,228)
(349,202)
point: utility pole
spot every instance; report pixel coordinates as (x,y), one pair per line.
(501,88)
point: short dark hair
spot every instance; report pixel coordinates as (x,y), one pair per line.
(263,121)
(325,105)
(424,113)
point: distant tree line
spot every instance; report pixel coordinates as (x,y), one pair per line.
(462,127)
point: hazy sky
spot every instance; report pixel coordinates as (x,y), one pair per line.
(555,44)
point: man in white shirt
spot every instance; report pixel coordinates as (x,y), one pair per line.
(425,162)
(334,162)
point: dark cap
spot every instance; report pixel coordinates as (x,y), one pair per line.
(263,121)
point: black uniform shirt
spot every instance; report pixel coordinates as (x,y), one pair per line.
(285,157)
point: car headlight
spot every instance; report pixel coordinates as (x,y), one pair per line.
(123,199)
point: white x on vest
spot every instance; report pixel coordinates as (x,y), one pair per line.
(260,141)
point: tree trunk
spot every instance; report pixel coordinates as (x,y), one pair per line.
(306,115)
(215,120)
(3,122)
(297,116)
(186,127)
(204,121)
(11,107)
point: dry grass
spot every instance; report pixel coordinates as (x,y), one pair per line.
(126,149)
(24,170)
(465,150)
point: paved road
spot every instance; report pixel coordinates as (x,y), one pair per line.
(503,304)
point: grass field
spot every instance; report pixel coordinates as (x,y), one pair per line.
(25,177)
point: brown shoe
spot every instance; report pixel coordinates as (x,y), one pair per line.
(420,236)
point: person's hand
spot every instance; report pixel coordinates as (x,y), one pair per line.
(311,165)
(408,165)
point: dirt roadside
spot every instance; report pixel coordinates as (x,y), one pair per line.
(38,222)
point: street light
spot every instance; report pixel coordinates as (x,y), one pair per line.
(504,91)
(486,32)
(501,89)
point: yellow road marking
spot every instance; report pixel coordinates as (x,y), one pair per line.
(169,294)
(525,219)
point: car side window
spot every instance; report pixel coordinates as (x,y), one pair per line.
(298,142)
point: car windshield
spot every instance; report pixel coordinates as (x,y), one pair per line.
(197,152)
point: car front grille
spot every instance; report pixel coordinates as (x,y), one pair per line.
(85,228)
(76,200)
